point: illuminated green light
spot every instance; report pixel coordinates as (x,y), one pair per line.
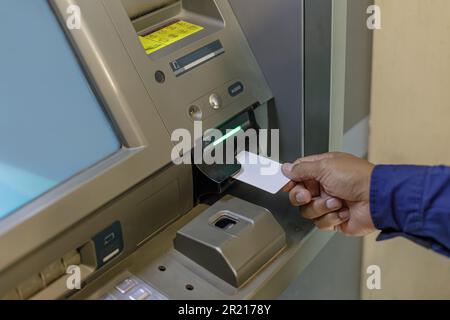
(228,135)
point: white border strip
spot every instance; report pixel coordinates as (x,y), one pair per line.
(356,140)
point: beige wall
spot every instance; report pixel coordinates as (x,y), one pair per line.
(410,124)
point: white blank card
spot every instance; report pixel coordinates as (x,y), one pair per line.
(261,172)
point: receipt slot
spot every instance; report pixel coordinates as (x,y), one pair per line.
(233,239)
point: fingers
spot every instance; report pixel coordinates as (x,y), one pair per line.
(312,186)
(320,207)
(299,195)
(303,171)
(327,213)
(332,221)
(298,170)
(306,175)
(287,188)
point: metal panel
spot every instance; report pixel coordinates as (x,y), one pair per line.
(318,45)
(334,273)
(351,64)
(275,35)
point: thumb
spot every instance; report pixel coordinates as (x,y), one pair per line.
(301,171)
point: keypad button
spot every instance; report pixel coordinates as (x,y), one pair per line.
(126,285)
(140,294)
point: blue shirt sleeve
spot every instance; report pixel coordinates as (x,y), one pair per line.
(413,202)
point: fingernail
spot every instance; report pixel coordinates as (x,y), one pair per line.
(299,198)
(333,204)
(344,215)
(287,167)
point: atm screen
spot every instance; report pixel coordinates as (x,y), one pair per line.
(51,123)
(168,35)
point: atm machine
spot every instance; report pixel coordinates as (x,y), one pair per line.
(91,109)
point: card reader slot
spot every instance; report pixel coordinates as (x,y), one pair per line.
(211,180)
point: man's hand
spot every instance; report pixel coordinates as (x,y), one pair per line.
(334,190)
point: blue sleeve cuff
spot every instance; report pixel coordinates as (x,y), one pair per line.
(396,197)
(400,204)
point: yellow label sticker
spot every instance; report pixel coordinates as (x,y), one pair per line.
(166,36)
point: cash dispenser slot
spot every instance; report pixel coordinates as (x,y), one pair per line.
(233,239)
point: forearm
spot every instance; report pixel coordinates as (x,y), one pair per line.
(413,202)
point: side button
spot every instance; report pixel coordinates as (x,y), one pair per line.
(126,285)
(236,89)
